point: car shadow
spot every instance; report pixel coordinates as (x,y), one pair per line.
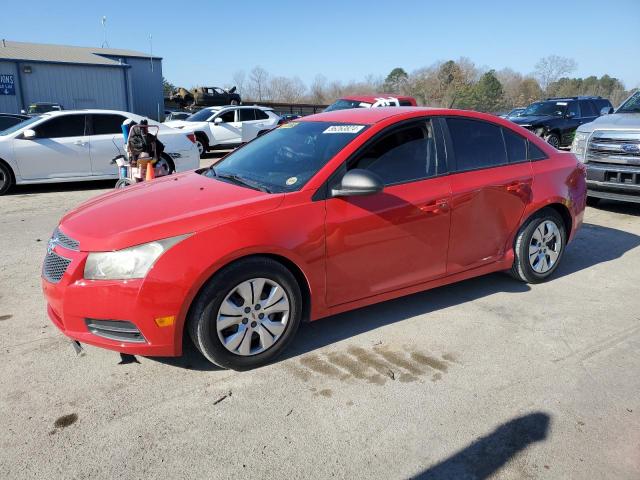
(60,187)
(488,454)
(584,252)
(627,208)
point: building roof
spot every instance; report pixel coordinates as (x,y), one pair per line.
(40,52)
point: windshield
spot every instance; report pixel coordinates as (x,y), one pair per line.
(201,116)
(343,104)
(632,105)
(20,125)
(286,158)
(553,109)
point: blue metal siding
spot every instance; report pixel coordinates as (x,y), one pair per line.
(10,103)
(146,85)
(75,86)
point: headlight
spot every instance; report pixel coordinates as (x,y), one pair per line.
(132,262)
(578,147)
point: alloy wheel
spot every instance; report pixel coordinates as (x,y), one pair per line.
(545,247)
(200,147)
(253,316)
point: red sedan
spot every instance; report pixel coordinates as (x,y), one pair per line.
(325,214)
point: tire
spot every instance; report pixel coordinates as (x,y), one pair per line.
(124,182)
(6,178)
(553,139)
(593,201)
(234,102)
(539,268)
(170,163)
(202,143)
(210,323)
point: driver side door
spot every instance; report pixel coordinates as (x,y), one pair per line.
(228,132)
(398,237)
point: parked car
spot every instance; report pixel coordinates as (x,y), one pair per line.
(515,112)
(371,101)
(326,214)
(43,107)
(169,116)
(10,119)
(74,145)
(205,97)
(227,127)
(556,119)
(610,148)
(288,117)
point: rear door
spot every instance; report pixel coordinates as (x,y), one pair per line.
(105,142)
(60,149)
(398,237)
(491,186)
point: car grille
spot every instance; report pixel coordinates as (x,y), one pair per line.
(54,267)
(65,241)
(118,330)
(619,147)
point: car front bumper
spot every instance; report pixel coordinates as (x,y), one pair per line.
(613,181)
(107,313)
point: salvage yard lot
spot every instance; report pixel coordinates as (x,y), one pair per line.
(488,376)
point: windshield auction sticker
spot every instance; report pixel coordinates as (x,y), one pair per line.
(344,129)
(291,180)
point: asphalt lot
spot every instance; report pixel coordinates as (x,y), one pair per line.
(489,378)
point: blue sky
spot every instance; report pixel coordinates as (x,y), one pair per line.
(343,40)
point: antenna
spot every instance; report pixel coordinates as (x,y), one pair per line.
(151,50)
(103,21)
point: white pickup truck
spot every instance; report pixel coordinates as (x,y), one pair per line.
(226,127)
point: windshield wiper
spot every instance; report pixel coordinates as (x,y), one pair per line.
(237,179)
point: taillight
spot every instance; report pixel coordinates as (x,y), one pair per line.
(191,137)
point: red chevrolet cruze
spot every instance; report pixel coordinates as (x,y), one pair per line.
(322,215)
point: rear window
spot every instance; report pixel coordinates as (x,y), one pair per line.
(534,153)
(107,124)
(516,146)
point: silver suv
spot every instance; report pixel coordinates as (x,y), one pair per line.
(610,148)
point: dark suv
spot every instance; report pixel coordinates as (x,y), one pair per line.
(556,119)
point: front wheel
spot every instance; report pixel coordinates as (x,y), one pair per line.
(247,314)
(6,179)
(553,140)
(539,246)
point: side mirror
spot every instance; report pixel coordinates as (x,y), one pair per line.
(218,121)
(570,114)
(358,182)
(606,110)
(29,134)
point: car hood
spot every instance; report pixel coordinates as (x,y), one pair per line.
(163,208)
(184,124)
(629,121)
(530,119)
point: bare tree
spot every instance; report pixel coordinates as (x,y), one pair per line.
(318,89)
(549,69)
(258,83)
(239,81)
(289,90)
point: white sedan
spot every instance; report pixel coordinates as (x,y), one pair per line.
(76,145)
(227,127)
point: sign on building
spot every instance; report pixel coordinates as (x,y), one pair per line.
(7,85)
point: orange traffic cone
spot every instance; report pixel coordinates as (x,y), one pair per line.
(151,174)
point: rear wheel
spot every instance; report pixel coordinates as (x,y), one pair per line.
(6,178)
(202,144)
(247,314)
(124,182)
(539,247)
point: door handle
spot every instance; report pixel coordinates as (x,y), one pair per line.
(439,206)
(80,143)
(514,187)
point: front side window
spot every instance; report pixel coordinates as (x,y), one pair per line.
(545,109)
(285,159)
(227,117)
(476,144)
(406,155)
(21,125)
(107,124)
(62,126)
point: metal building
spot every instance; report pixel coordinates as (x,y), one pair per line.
(79,77)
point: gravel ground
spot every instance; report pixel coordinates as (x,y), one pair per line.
(489,378)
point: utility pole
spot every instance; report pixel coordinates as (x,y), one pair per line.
(103,21)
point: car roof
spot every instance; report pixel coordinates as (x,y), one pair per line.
(370,116)
(54,113)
